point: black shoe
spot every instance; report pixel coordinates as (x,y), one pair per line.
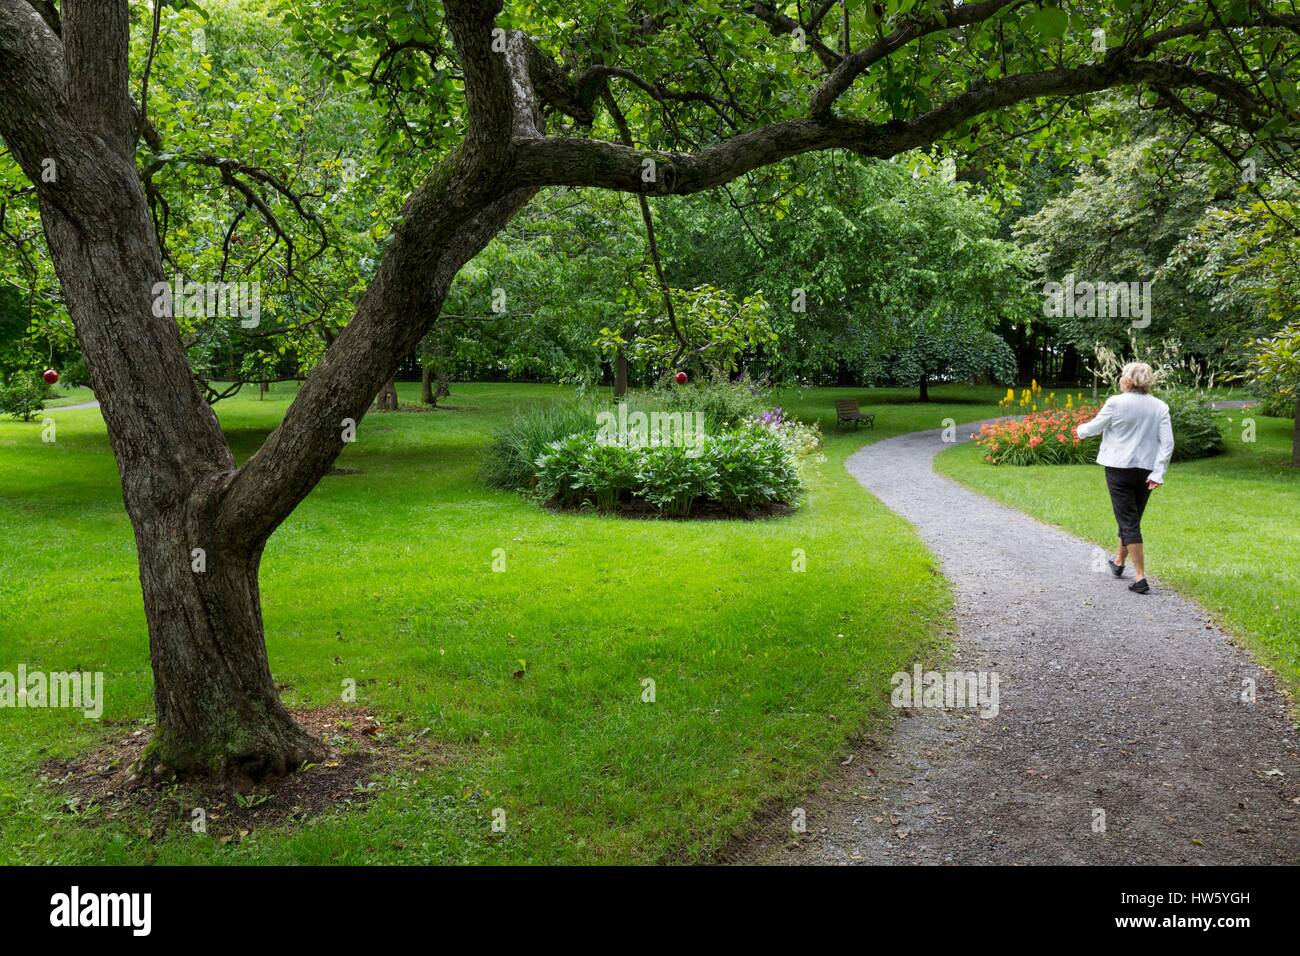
(1115,569)
(1140,587)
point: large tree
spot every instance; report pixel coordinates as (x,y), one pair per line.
(720,89)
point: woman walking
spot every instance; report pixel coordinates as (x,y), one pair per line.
(1137,441)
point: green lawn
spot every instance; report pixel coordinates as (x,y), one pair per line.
(1223,530)
(384,576)
(61,395)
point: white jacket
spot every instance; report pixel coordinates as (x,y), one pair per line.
(1136,433)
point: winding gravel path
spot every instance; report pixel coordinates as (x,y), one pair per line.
(1109,701)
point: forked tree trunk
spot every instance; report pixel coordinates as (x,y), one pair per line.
(67,117)
(434,387)
(217,709)
(200,522)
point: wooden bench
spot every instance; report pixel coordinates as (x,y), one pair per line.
(847,412)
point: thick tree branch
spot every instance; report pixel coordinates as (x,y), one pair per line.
(49,13)
(780,24)
(566,161)
(489,93)
(853,65)
(32,98)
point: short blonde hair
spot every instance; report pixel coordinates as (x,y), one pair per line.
(1139,376)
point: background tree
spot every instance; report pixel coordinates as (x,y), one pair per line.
(1125,219)
(708,328)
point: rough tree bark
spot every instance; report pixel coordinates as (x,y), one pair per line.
(386,400)
(1295,437)
(200,522)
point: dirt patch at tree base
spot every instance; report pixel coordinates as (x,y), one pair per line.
(362,750)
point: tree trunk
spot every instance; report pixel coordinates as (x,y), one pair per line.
(387,398)
(217,708)
(426,386)
(1295,436)
(925,387)
(620,375)
(443,388)
(1070,366)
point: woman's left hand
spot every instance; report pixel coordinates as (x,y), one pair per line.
(1152,485)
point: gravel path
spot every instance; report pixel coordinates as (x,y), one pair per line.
(1109,702)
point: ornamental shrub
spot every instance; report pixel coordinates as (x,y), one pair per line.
(23,396)
(1196,431)
(744,471)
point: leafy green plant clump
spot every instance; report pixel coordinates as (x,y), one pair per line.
(1196,433)
(744,472)
(510,462)
(1276,405)
(725,405)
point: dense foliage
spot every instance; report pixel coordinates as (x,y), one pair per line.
(289,133)
(22,395)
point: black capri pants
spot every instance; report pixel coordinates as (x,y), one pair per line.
(1128,496)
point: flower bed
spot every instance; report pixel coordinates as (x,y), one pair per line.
(1040,438)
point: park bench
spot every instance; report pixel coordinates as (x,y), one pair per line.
(848,412)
